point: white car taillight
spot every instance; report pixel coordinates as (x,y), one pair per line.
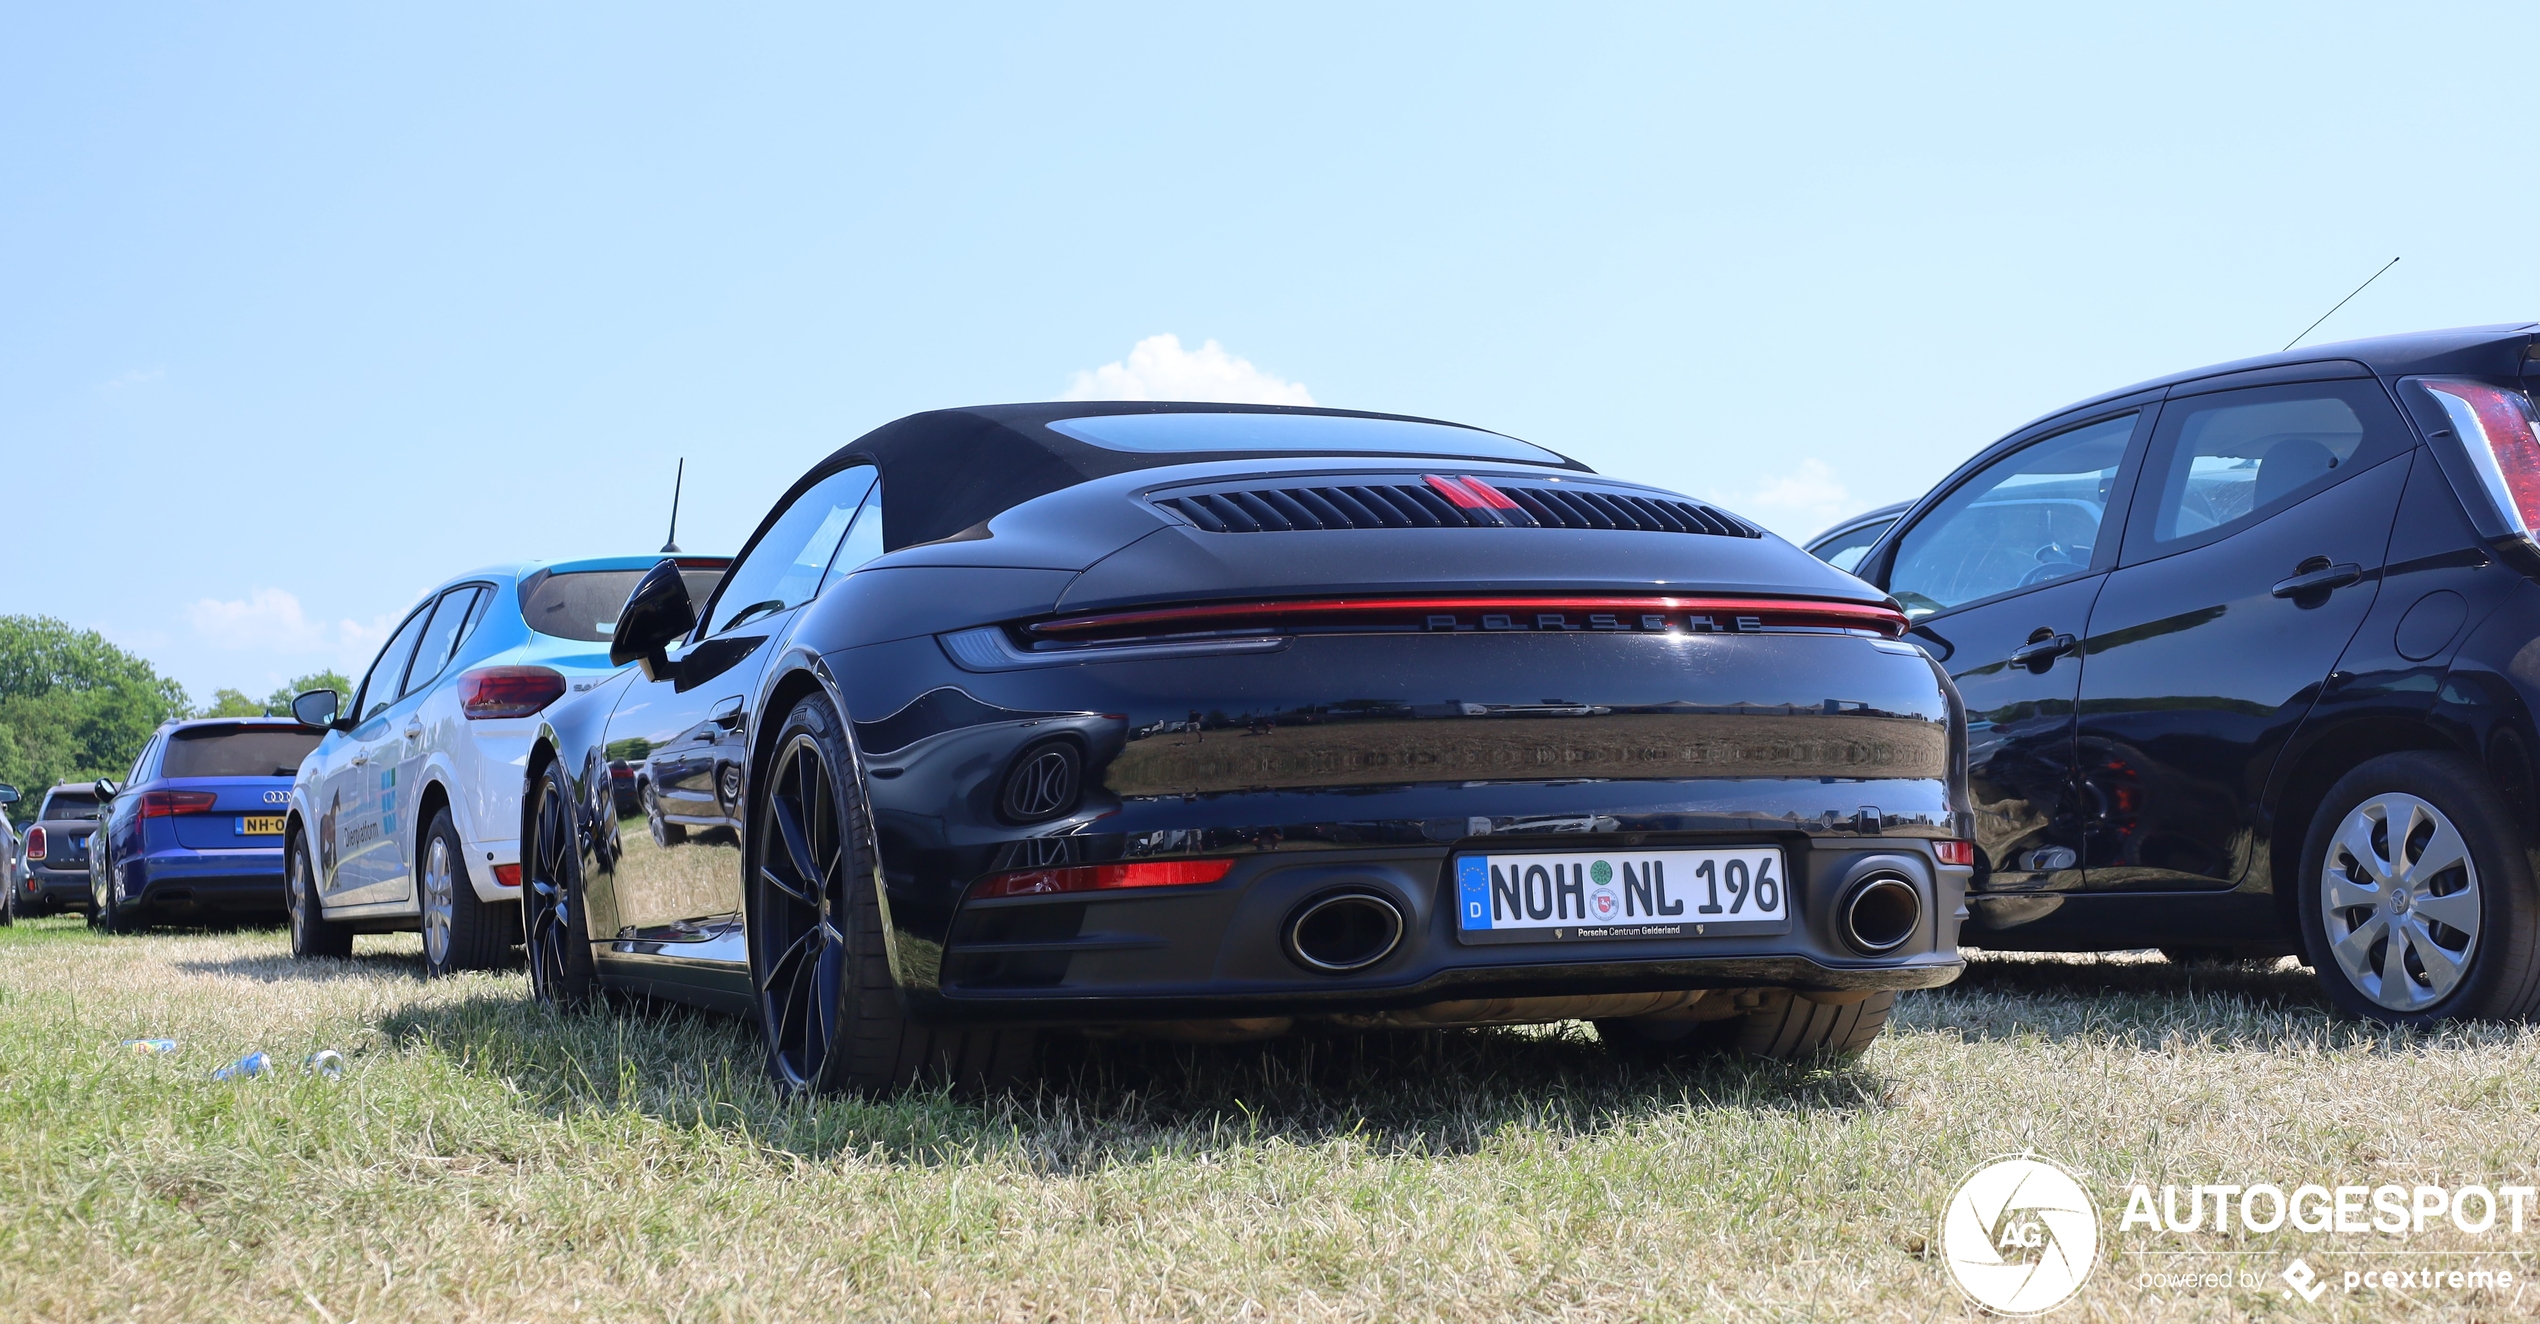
(2498,433)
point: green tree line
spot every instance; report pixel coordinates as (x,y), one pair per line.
(74,707)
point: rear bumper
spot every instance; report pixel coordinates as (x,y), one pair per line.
(181,882)
(1221,950)
(65,887)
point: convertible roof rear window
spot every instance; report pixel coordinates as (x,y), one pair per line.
(1293,434)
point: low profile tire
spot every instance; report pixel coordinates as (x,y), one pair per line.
(2416,897)
(555,938)
(115,912)
(312,934)
(1786,1028)
(828,1008)
(460,931)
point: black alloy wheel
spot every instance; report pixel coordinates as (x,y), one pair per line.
(554,935)
(829,1009)
(664,832)
(311,933)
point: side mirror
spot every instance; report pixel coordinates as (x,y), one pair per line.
(317,707)
(105,789)
(8,794)
(656,615)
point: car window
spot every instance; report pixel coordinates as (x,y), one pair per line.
(864,538)
(2031,517)
(379,687)
(583,604)
(68,806)
(784,568)
(1844,550)
(2236,455)
(141,764)
(239,751)
(441,637)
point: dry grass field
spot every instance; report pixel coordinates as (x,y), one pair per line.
(481,1159)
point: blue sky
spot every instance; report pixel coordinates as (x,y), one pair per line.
(302,310)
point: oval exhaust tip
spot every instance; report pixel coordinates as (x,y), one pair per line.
(1882,912)
(1344,931)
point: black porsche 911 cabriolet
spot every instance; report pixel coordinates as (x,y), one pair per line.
(1212,720)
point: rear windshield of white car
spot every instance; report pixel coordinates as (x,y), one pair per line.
(238,751)
(71,806)
(583,604)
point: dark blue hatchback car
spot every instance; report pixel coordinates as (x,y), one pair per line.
(196,832)
(2251,661)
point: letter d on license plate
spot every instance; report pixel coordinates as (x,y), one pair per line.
(1543,897)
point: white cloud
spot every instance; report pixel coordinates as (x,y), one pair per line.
(271,621)
(1799,504)
(1158,368)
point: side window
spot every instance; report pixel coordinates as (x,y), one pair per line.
(441,638)
(1845,550)
(2031,517)
(141,765)
(784,568)
(379,688)
(864,539)
(2234,456)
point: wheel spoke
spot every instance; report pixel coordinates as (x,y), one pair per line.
(789,827)
(2354,951)
(2342,893)
(800,897)
(2458,911)
(793,952)
(2355,840)
(2443,851)
(2397,989)
(2442,970)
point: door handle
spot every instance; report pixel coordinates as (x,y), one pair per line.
(361,758)
(2320,580)
(727,712)
(2039,654)
(414,728)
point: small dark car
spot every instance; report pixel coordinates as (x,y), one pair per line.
(1208,720)
(55,851)
(195,833)
(2250,657)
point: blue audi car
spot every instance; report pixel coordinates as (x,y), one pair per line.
(194,834)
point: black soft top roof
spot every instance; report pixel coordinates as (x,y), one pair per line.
(948,470)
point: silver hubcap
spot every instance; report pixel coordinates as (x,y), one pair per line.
(2400,900)
(436,902)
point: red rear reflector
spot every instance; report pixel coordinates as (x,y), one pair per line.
(35,843)
(507,875)
(160,804)
(2495,425)
(1456,493)
(508,691)
(1955,852)
(1102,877)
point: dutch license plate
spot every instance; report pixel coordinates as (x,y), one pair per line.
(260,825)
(1544,897)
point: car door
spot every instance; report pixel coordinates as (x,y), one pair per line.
(686,733)
(1997,580)
(2253,552)
(407,747)
(356,790)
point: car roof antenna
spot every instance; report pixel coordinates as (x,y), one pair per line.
(2340,304)
(670,545)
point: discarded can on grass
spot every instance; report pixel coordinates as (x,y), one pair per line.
(324,1062)
(150,1047)
(253,1064)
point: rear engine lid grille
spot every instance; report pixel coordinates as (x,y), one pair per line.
(1441,501)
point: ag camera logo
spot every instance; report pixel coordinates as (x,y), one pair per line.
(2020,1236)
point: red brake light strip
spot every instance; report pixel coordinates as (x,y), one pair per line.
(1768,612)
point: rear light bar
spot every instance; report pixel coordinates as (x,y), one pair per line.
(1961,853)
(508,691)
(2496,430)
(161,804)
(1509,612)
(35,843)
(1103,877)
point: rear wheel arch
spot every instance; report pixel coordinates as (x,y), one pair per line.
(2316,768)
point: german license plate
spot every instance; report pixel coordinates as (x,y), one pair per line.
(1598,895)
(260,825)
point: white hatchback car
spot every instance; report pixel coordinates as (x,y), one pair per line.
(407,814)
